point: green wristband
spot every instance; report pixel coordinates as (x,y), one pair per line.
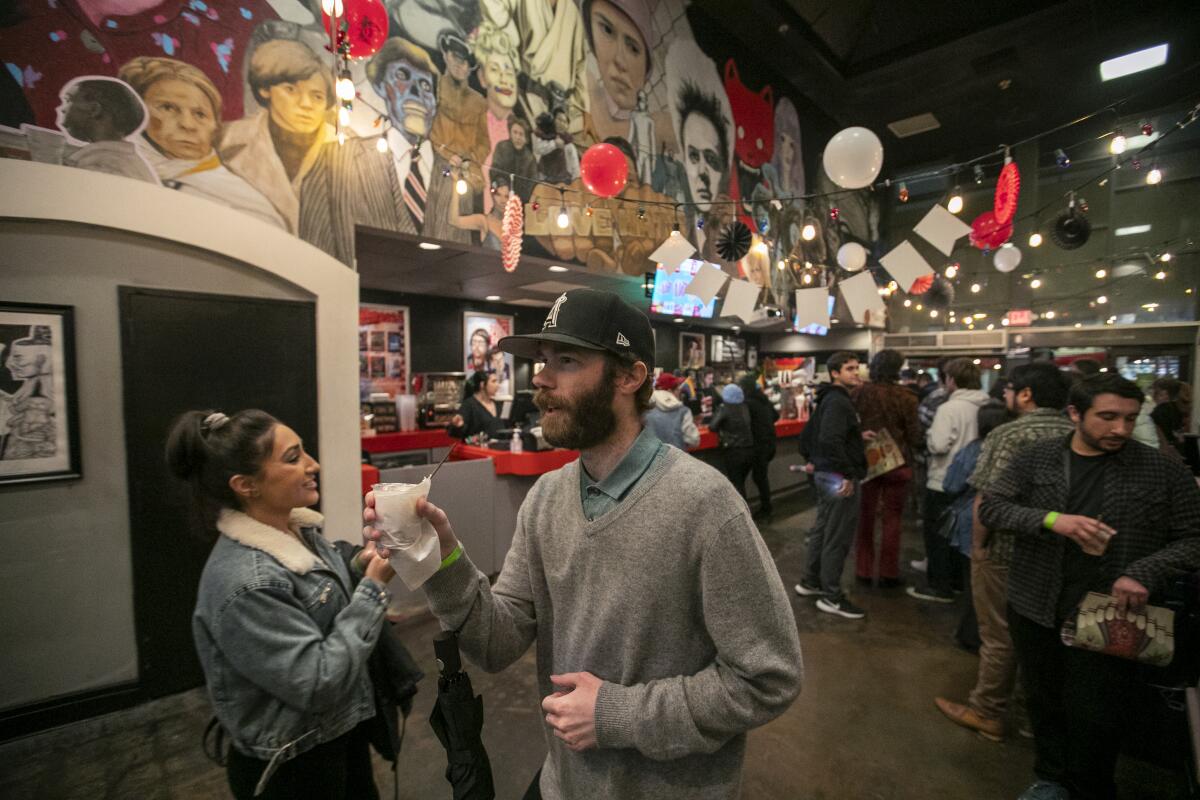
(450,559)
(1048,522)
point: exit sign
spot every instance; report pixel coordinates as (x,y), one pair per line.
(1020,316)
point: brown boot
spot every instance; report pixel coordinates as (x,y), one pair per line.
(990,729)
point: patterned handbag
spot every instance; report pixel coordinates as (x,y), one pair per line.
(1147,636)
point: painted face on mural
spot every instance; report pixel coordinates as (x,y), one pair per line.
(500,79)
(298,107)
(182,122)
(411,102)
(620,53)
(456,66)
(702,159)
(519,136)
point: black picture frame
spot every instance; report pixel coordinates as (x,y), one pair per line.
(39,394)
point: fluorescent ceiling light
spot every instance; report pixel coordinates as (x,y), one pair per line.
(1132,229)
(492,297)
(557,268)
(429,246)
(1130,63)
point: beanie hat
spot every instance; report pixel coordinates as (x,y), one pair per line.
(667,382)
(733,394)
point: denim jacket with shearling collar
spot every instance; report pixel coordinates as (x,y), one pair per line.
(283,635)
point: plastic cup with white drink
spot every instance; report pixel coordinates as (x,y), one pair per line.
(412,540)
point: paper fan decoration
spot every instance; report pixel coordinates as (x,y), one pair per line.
(941,293)
(734,241)
(988,233)
(1071,230)
(921,285)
(1007,190)
(511,231)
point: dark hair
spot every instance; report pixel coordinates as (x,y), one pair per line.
(694,100)
(205,449)
(1087,390)
(1085,367)
(964,372)
(614,364)
(477,381)
(885,366)
(1045,381)
(928,378)
(118,100)
(908,374)
(1171,385)
(839,360)
(991,415)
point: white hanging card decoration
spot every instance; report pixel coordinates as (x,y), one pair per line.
(707,281)
(671,253)
(941,229)
(812,307)
(905,265)
(861,296)
(740,300)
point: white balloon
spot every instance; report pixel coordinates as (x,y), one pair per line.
(853,158)
(1007,258)
(852,256)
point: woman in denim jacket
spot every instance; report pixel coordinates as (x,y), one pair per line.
(282,631)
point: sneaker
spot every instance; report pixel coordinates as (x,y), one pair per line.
(920,566)
(931,595)
(1045,790)
(841,607)
(988,728)
(807,590)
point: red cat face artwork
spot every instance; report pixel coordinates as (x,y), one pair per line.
(754,118)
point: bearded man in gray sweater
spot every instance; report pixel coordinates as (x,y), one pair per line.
(663,630)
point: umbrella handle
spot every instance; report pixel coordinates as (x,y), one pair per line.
(445,648)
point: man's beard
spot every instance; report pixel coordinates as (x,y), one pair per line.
(582,423)
(1104,445)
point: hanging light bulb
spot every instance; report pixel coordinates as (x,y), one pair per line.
(1048,315)
(641,212)
(1165,257)
(1118,143)
(834,214)
(782,265)
(344,117)
(1004,322)
(978,175)
(1061,158)
(956,202)
(563,220)
(1160,275)
(952,271)
(333,8)
(808,232)
(903,193)
(460,185)
(1102,273)
(807,279)
(933,313)
(341,137)
(381,144)
(976,288)
(1101,300)
(1036,283)
(587,211)
(920,307)
(345,86)
(907,303)
(1035,239)
(1154,176)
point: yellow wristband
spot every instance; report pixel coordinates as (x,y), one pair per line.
(450,559)
(1048,522)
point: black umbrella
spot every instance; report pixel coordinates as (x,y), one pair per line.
(457,719)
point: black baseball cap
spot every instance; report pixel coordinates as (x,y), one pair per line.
(594,320)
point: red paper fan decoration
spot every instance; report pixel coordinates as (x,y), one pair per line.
(1007,190)
(921,285)
(510,234)
(987,233)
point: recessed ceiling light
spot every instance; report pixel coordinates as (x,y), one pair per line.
(492,297)
(911,126)
(557,268)
(679,319)
(429,246)
(1132,230)
(1130,63)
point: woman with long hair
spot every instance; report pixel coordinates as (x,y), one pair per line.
(283,624)
(478,413)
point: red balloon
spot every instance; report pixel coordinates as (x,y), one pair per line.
(604,170)
(366,26)
(987,233)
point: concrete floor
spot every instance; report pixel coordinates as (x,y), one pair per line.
(864,727)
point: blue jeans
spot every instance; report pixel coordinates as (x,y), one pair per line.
(829,541)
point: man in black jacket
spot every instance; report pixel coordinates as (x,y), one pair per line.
(834,446)
(762,428)
(1094,512)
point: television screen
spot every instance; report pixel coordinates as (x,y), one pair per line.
(670,295)
(814,329)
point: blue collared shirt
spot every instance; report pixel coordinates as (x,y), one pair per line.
(600,497)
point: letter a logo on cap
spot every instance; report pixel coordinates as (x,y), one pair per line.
(621,340)
(552,317)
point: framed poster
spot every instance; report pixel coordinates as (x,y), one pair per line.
(691,350)
(39,411)
(383,350)
(481,332)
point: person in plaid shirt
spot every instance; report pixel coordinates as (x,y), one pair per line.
(1094,491)
(1037,393)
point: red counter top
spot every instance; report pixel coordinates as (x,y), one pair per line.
(407,440)
(528,464)
(370,477)
(783,429)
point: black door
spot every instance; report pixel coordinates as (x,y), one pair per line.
(184,351)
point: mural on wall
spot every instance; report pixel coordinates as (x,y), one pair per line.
(234,101)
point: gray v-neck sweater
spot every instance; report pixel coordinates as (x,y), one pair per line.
(671,599)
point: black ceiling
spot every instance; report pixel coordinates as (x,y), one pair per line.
(991,72)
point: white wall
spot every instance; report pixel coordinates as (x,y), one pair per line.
(66,593)
(805,343)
